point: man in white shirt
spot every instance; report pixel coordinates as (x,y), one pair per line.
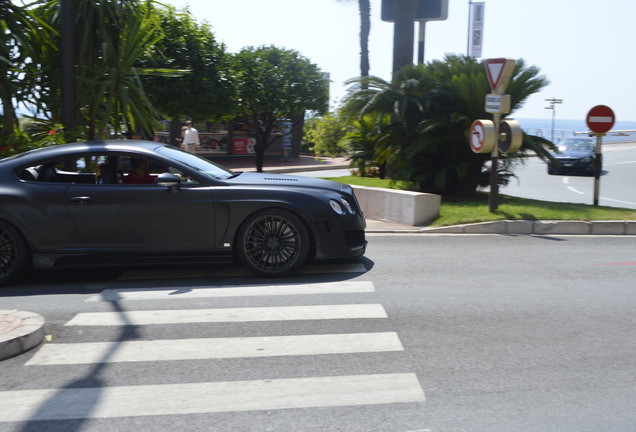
(190,138)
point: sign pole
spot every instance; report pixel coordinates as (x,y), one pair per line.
(598,164)
(493,200)
(600,119)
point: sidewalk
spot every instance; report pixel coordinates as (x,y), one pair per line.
(274,164)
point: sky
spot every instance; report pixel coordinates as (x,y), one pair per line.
(585,48)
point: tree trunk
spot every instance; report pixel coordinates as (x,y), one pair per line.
(259,149)
(403,33)
(365,29)
(175,131)
(9,119)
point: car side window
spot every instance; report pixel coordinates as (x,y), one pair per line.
(140,170)
(101,169)
(71,170)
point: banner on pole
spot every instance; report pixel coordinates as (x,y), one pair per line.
(476,30)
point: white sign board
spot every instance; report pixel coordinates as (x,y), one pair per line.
(476,31)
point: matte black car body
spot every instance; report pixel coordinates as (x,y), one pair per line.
(195,211)
(576,154)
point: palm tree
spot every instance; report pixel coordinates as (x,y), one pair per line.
(23,40)
(364,7)
(433,107)
(110,37)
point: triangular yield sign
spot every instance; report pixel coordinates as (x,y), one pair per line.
(494,67)
(499,71)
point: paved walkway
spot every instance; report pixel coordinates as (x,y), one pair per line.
(274,164)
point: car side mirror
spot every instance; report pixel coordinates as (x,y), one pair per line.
(169,180)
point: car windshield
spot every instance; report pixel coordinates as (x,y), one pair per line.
(204,166)
(574,144)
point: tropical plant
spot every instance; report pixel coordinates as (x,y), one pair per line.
(326,135)
(272,85)
(432,107)
(110,38)
(24,41)
(362,141)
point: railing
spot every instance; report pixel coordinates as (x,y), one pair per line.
(615,136)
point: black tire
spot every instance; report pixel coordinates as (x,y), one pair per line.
(14,254)
(273,242)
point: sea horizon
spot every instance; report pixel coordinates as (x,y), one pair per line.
(567,127)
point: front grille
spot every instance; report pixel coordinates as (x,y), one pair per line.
(354,238)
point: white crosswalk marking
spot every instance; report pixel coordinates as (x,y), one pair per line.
(280,313)
(197,398)
(380,386)
(214,348)
(352,287)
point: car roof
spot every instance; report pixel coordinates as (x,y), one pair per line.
(79,147)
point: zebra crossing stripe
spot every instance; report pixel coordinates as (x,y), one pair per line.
(209,397)
(214,348)
(346,287)
(255,314)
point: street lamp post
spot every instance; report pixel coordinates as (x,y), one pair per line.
(552,107)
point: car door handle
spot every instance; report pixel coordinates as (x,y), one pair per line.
(81,200)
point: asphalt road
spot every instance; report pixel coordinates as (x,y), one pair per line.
(426,333)
(616,183)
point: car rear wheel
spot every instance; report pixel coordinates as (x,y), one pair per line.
(14,256)
(273,242)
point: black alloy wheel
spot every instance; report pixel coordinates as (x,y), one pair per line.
(273,242)
(13,254)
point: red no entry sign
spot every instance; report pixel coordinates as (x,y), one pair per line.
(600,119)
(482,136)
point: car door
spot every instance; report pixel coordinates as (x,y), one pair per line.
(43,214)
(143,219)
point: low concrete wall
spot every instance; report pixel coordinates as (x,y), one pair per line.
(405,207)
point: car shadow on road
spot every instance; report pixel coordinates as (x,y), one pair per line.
(91,281)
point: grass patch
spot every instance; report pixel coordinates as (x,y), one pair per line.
(510,208)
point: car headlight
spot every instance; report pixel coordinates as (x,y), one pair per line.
(586,160)
(335,206)
(340,206)
(346,205)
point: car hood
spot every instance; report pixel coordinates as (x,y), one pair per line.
(578,154)
(270,179)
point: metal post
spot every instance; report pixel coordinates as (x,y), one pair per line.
(598,165)
(470,6)
(420,47)
(553,102)
(493,199)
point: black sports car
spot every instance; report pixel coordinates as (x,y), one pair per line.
(576,154)
(140,202)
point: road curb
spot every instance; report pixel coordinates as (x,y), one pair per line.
(539,228)
(20,331)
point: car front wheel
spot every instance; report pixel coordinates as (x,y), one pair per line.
(14,255)
(273,242)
